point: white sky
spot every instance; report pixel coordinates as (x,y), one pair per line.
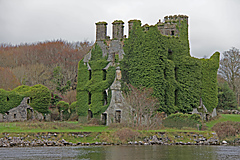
(214,25)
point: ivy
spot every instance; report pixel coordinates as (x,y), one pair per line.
(164,63)
(65,109)
(39,98)
(94,86)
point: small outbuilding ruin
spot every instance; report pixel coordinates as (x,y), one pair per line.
(22,112)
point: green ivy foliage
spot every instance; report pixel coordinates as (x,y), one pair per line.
(209,90)
(9,100)
(94,86)
(64,108)
(164,63)
(73,107)
(39,98)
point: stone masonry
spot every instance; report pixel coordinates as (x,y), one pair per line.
(22,112)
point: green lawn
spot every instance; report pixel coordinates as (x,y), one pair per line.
(34,127)
(223,118)
(48,127)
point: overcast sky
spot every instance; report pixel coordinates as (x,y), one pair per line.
(214,25)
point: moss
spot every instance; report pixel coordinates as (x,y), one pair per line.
(101,23)
(118,22)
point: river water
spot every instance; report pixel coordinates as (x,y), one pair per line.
(123,153)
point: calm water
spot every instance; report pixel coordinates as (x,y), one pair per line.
(123,152)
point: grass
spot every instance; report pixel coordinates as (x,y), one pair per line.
(223,118)
(34,127)
(31,127)
(69,130)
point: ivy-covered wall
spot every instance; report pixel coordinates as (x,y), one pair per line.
(93,83)
(39,98)
(164,64)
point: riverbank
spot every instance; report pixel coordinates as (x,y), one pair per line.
(106,138)
(24,134)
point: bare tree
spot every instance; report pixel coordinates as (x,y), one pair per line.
(229,68)
(144,107)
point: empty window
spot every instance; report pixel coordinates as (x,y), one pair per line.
(89,98)
(172,33)
(90,115)
(118,116)
(90,74)
(7,99)
(104,74)
(28,101)
(14,116)
(104,98)
(104,118)
(175,97)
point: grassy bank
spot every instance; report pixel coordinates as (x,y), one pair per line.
(35,127)
(75,132)
(223,118)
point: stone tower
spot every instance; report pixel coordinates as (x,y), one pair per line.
(169,26)
(101,30)
(130,24)
(117,29)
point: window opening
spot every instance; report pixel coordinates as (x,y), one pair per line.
(104,118)
(90,74)
(90,114)
(104,74)
(104,98)
(89,98)
(118,116)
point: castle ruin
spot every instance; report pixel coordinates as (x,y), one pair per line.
(113,107)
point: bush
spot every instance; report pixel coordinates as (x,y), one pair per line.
(226,97)
(64,108)
(40,98)
(180,121)
(226,129)
(126,134)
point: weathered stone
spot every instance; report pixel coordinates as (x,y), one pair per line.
(20,113)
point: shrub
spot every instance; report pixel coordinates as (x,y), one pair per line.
(126,134)
(226,97)
(180,121)
(226,129)
(64,108)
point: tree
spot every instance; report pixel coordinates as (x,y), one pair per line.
(8,80)
(229,68)
(226,97)
(144,107)
(34,63)
(58,80)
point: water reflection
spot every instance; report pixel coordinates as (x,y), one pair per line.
(123,152)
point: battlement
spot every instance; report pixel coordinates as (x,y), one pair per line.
(167,27)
